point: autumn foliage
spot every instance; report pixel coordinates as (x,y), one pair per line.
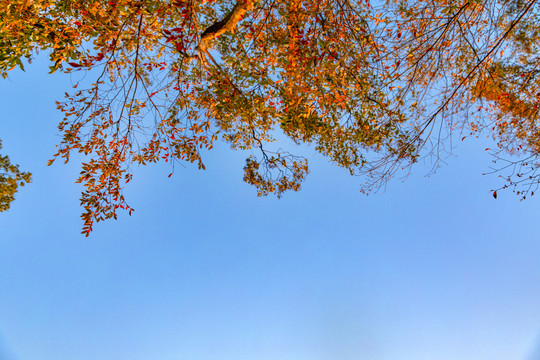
(10,180)
(372,85)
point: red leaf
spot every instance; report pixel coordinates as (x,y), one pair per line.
(495,194)
(75,65)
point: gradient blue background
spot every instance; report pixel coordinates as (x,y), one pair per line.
(433,268)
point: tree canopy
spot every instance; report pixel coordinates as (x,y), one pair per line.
(372,85)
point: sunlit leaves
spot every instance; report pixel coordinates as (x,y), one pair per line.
(10,180)
(372,86)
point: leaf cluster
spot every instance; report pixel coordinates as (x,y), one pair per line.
(10,180)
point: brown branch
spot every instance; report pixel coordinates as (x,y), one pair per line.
(228,23)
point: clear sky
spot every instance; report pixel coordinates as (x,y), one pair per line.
(432,269)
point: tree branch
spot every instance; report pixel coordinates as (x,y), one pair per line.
(227,24)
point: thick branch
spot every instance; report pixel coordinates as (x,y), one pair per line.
(227,24)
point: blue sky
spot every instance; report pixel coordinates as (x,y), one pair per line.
(433,268)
